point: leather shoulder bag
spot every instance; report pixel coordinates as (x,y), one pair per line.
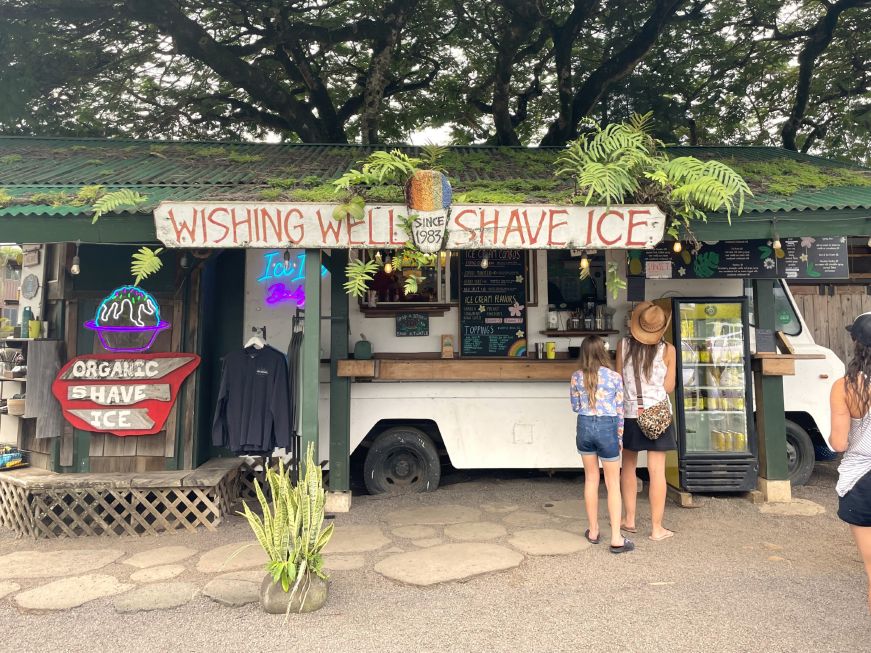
(652,421)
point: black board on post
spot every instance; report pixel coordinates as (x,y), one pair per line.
(493,304)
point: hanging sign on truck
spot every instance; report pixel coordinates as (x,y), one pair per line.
(196,225)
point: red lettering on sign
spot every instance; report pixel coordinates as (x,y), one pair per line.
(268,219)
(352,224)
(390,227)
(241,223)
(331,227)
(551,227)
(218,223)
(299,228)
(513,226)
(601,221)
(493,222)
(468,230)
(533,239)
(372,240)
(184,227)
(636,223)
(589,226)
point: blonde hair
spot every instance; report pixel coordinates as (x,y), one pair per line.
(592,357)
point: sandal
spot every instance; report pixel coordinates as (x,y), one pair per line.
(627,529)
(628,545)
(661,537)
(590,539)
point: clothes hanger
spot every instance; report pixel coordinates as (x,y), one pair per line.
(256,341)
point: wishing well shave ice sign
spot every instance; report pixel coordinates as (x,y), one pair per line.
(302,225)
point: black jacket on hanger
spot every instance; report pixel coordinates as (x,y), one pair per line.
(252,414)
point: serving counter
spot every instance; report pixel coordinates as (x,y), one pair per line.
(457,369)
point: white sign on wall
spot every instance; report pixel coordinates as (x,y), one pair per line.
(311,226)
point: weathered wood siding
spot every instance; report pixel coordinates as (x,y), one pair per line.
(827,316)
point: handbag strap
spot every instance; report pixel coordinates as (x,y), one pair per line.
(638,388)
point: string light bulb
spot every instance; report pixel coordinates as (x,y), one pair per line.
(286,257)
(585,261)
(388,264)
(869,242)
(777,244)
(378,256)
(485,263)
(76,266)
(677,247)
(443,255)
(185,261)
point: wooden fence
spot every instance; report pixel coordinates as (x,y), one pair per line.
(827,316)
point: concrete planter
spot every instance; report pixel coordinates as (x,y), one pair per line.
(311,595)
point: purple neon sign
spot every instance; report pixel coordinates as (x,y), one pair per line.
(128,320)
(290,272)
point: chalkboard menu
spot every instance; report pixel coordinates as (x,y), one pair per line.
(493,303)
(412,324)
(798,258)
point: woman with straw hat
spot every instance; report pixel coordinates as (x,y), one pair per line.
(645,357)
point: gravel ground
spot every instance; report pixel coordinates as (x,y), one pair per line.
(732,579)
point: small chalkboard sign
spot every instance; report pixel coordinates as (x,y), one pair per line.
(412,324)
(765,341)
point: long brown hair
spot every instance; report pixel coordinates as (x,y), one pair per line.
(643,355)
(858,377)
(592,357)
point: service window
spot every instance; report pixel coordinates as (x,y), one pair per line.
(565,287)
(785,315)
(433,286)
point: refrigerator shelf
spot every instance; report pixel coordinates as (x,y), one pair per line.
(713,364)
(693,411)
(715,387)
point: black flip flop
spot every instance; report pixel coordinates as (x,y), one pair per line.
(590,539)
(628,546)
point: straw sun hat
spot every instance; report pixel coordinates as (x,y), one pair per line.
(648,323)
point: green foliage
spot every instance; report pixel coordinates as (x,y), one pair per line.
(614,281)
(483,196)
(431,156)
(239,157)
(321,193)
(11,253)
(10,158)
(116,200)
(89,194)
(210,152)
(787,177)
(146,261)
(5,198)
(57,198)
(291,531)
(359,273)
(394,167)
(271,194)
(285,183)
(353,208)
(705,264)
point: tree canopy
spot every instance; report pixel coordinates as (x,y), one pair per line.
(512,72)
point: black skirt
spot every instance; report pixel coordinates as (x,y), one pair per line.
(635,440)
(855,506)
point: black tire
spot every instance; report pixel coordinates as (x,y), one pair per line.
(402,459)
(800,455)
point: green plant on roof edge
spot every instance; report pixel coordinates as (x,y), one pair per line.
(622,163)
(111,202)
(10,158)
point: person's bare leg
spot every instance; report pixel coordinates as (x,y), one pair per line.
(629,487)
(863,541)
(656,469)
(591,492)
(615,505)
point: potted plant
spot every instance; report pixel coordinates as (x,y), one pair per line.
(292,536)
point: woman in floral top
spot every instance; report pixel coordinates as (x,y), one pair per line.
(596,393)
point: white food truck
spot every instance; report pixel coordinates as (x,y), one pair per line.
(401,433)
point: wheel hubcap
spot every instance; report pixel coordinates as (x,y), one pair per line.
(791,456)
(402,468)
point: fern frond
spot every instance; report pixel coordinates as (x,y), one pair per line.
(359,273)
(111,202)
(145,262)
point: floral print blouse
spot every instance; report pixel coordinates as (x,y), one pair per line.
(609,396)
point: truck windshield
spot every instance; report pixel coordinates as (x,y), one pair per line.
(785,315)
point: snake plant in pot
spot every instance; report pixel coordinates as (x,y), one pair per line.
(292,535)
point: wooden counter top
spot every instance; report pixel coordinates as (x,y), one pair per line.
(458,369)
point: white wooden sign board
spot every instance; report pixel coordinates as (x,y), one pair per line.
(268,225)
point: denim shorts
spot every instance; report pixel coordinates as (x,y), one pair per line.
(598,435)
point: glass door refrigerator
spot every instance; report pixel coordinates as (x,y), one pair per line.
(717,449)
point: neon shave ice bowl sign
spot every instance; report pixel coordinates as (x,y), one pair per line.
(127,320)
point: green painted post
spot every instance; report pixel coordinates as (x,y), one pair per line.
(84,345)
(311,353)
(340,388)
(770,412)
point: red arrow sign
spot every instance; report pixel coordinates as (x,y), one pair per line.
(124,394)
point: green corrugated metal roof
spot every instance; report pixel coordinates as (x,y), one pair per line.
(783,181)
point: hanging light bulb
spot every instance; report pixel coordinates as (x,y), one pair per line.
(378,256)
(76,266)
(443,256)
(585,262)
(485,263)
(869,242)
(286,257)
(185,261)
(776,244)
(388,264)
(677,247)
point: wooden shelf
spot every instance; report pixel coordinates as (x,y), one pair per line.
(398,308)
(20,379)
(475,369)
(575,334)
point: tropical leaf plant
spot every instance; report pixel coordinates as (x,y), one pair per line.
(614,281)
(111,202)
(359,273)
(290,528)
(146,261)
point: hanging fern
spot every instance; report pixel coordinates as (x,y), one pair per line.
(111,202)
(359,274)
(379,168)
(145,262)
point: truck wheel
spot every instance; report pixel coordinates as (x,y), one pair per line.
(402,459)
(800,455)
